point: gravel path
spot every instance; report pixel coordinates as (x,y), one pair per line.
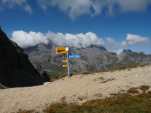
(79,88)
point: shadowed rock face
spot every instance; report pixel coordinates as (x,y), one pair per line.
(15,68)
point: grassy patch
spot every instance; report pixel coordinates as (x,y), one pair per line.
(56,73)
(26,111)
(133,91)
(120,103)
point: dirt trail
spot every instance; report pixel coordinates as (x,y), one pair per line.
(79,88)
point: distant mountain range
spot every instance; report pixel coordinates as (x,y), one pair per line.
(93,59)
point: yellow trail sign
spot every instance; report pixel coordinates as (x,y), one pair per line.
(65,61)
(64,65)
(62,50)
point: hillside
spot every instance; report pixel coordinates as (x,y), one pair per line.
(15,67)
(79,89)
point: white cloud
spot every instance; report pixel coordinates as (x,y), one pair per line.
(13,3)
(133,5)
(76,40)
(133,39)
(80,40)
(130,40)
(28,8)
(75,8)
(28,39)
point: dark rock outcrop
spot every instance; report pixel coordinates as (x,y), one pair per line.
(15,68)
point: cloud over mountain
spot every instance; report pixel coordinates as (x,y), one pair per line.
(28,39)
(80,40)
(133,39)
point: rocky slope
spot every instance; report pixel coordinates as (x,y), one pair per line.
(15,68)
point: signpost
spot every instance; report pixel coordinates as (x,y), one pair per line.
(74,56)
(65,51)
(65,60)
(62,50)
(65,66)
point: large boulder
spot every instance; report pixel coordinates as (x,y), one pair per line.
(15,68)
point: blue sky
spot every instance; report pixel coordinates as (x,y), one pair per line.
(114,19)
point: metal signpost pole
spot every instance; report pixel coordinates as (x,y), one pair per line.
(68,64)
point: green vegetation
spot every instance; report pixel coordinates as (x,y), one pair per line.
(54,74)
(120,103)
(129,65)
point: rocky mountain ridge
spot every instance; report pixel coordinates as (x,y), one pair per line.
(93,59)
